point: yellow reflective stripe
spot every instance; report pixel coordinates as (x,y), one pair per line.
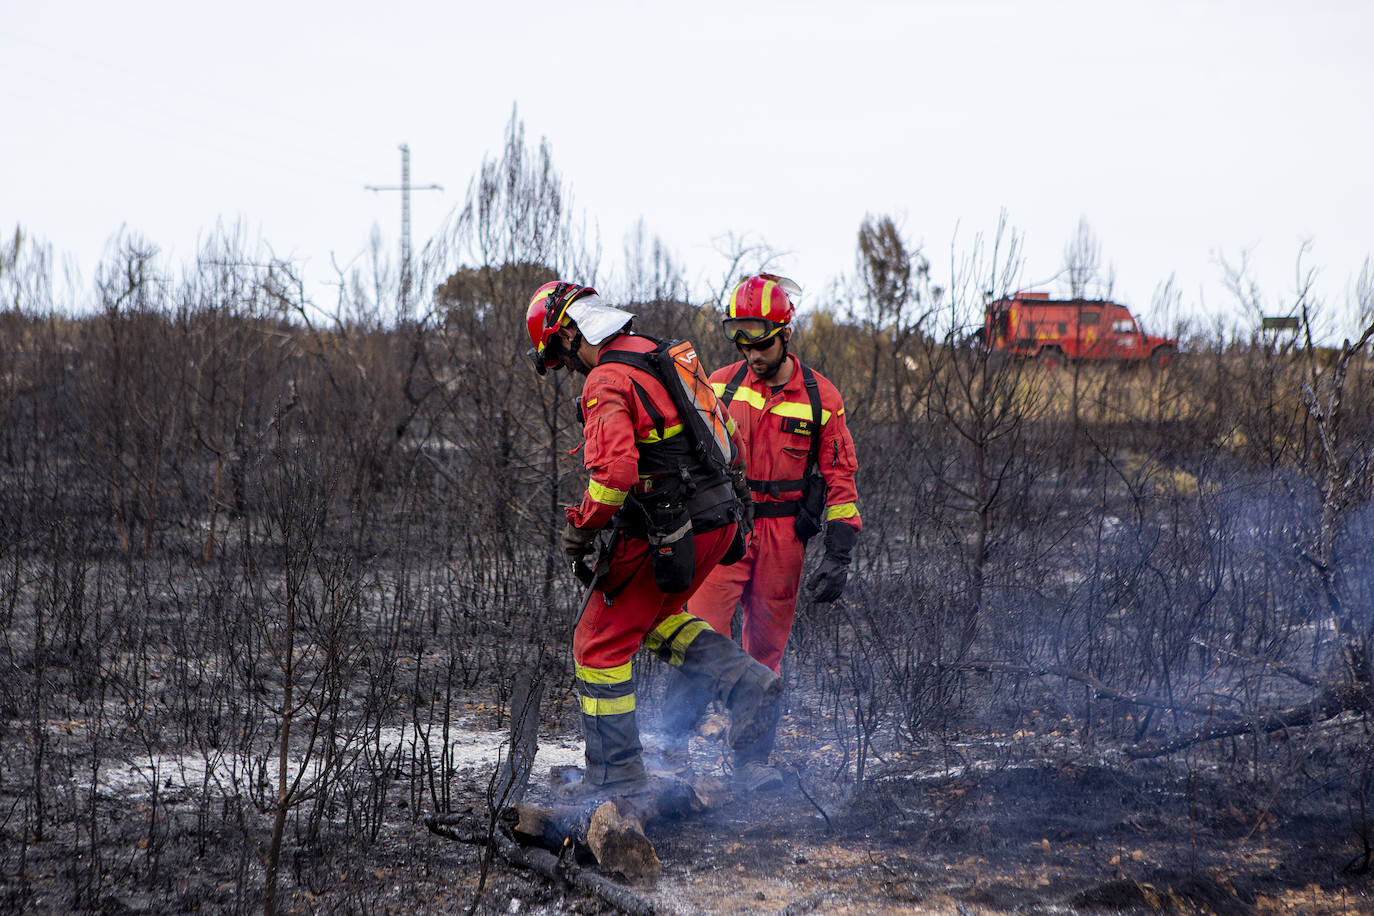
(655,637)
(730,424)
(756,400)
(591,402)
(749,396)
(799,411)
(617,675)
(841,510)
(605,495)
(562,315)
(654,437)
(684,638)
(687,626)
(766,298)
(598,706)
(540,297)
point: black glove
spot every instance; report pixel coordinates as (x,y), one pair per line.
(828,582)
(578,542)
(741,486)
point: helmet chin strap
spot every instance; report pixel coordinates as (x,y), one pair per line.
(570,358)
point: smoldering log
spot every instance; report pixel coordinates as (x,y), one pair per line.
(619,838)
(614,829)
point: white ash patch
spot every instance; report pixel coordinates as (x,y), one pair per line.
(469,749)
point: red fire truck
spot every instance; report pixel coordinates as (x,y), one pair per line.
(1057,331)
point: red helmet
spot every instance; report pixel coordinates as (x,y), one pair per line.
(760,307)
(547,310)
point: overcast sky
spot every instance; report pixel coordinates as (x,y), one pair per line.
(1183,132)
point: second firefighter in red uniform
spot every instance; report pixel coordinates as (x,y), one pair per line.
(801,466)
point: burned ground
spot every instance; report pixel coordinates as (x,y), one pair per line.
(1027,821)
(264,586)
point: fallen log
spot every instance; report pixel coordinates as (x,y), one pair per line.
(613,829)
(619,843)
(1100,689)
(1350,695)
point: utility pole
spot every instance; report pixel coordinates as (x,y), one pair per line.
(405,189)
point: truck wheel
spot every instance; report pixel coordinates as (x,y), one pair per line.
(1051,360)
(1162,358)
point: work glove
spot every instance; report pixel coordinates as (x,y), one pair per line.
(578,542)
(740,483)
(828,582)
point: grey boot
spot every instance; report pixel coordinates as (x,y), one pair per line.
(613,751)
(609,726)
(753,773)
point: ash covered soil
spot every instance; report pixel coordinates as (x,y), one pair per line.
(1029,821)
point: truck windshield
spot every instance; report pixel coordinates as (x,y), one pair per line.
(1123,326)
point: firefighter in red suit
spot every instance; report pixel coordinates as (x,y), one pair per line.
(770,397)
(640,460)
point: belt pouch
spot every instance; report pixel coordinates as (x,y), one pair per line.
(670,546)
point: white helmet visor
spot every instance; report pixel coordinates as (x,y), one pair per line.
(597,320)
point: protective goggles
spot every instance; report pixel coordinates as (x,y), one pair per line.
(549,356)
(750,330)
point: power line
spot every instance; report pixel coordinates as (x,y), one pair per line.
(405,188)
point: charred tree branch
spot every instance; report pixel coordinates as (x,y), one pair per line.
(1328,705)
(1297,674)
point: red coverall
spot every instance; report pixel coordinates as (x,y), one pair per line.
(610,630)
(775,428)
